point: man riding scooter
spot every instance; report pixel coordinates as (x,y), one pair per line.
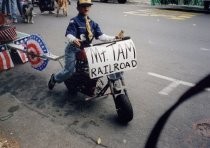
(80,33)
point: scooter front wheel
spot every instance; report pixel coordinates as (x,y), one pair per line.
(124,108)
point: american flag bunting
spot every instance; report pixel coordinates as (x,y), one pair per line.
(22,55)
(5,59)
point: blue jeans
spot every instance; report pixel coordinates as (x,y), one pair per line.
(5,5)
(19,6)
(69,68)
(14,8)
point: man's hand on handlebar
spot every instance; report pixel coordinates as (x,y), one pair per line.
(77,42)
(120,35)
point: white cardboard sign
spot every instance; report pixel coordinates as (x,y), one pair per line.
(111,58)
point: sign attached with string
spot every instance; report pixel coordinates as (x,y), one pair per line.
(111,58)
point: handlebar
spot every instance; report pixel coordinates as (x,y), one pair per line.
(112,42)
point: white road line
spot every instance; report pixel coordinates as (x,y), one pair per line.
(187,84)
(169,88)
(175,83)
(204,49)
(161,76)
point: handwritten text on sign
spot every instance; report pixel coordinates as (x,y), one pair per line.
(104,60)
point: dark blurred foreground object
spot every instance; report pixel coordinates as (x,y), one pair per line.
(200,86)
(46,5)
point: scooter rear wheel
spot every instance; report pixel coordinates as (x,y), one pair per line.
(124,108)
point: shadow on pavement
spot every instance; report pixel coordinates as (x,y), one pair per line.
(32,89)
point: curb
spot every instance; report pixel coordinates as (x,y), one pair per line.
(184,8)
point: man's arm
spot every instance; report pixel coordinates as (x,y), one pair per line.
(71,38)
(106,38)
(71,33)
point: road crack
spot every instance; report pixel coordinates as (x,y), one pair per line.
(90,138)
(32,109)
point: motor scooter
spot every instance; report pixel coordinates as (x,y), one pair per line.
(81,82)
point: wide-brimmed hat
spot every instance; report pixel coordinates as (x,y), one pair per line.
(84,2)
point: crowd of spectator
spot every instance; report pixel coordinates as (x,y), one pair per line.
(9,8)
(13,8)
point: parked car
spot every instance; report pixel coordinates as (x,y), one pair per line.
(206,4)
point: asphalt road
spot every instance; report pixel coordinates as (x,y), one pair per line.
(173,50)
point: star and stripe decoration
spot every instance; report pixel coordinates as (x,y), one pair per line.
(7,34)
(21,55)
(37,48)
(5,59)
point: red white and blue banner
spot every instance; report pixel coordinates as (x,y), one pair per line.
(22,41)
(5,59)
(36,46)
(34,51)
(22,55)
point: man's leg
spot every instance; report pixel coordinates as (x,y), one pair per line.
(14,10)
(52,6)
(41,3)
(5,5)
(19,7)
(70,59)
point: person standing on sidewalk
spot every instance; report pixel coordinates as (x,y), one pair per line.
(11,8)
(6,7)
(80,32)
(19,6)
(14,10)
(47,5)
